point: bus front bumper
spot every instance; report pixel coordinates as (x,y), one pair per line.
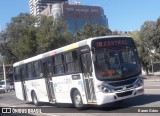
(103,98)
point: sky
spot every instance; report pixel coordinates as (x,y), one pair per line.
(123,15)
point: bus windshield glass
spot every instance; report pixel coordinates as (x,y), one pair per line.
(113,63)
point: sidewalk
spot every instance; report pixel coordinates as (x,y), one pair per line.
(151,82)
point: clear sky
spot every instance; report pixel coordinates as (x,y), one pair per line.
(123,15)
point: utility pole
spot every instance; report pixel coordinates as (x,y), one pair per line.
(4,71)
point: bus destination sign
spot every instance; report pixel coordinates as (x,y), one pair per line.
(112,42)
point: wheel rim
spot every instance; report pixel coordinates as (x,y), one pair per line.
(78,101)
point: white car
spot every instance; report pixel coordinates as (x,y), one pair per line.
(4,88)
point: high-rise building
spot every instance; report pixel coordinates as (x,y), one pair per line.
(36,6)
(77,15)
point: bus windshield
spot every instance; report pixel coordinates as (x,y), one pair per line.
(116,64)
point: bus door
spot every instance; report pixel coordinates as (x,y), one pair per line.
(22,77)
(88,78)
(48,79)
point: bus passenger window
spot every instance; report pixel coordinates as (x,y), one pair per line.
(36,69)
(58,64)
(72,64)
(17,74)
(29,71)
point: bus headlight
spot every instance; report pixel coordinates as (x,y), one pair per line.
(139,83)
(103,89)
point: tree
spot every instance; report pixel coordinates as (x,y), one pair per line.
(92,30)
(156,40)
(146,44)
(136,36)
(27,36)
(52,34)
(146,33)
(20,38)
(5,49)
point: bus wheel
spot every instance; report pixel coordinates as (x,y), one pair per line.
(34,99)
(77,100)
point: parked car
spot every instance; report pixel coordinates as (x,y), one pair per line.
(4,88)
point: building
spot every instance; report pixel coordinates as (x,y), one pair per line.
(76,15)
(36,6)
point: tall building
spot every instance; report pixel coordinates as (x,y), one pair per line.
(77,15)
(36,6)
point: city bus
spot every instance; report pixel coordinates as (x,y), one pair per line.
(95,71)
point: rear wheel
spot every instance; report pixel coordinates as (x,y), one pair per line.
(34,99)
(77,100)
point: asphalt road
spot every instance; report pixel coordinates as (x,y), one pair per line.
(150,100)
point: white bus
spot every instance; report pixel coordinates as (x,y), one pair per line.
(96,71)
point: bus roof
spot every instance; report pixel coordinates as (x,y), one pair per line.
(63,49)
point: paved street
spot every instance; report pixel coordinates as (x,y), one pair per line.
(151,98)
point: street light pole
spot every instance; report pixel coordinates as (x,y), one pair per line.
(4,71)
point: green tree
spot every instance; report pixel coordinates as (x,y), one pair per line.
(136,36)
(92,30)
(20,34)
(27,36)
(5,49)
(52,34)
(146,44)
(156,40)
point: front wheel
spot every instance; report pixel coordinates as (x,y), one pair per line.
(34,99)
(77,100)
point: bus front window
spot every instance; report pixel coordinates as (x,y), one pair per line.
(129,62)
(116,64)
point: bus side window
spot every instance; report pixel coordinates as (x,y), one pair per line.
(76,63)
(16,74)
(29,71)
(23,72)
(58,64)
(53,62)
(36,69)
(72,64)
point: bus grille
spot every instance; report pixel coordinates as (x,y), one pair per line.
(124,94)
(120,85)
(123,82)
(121,88)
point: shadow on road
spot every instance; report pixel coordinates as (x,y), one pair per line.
(144,99)
(128,105)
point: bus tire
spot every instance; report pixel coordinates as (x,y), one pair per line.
(77,100)
(34,99)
